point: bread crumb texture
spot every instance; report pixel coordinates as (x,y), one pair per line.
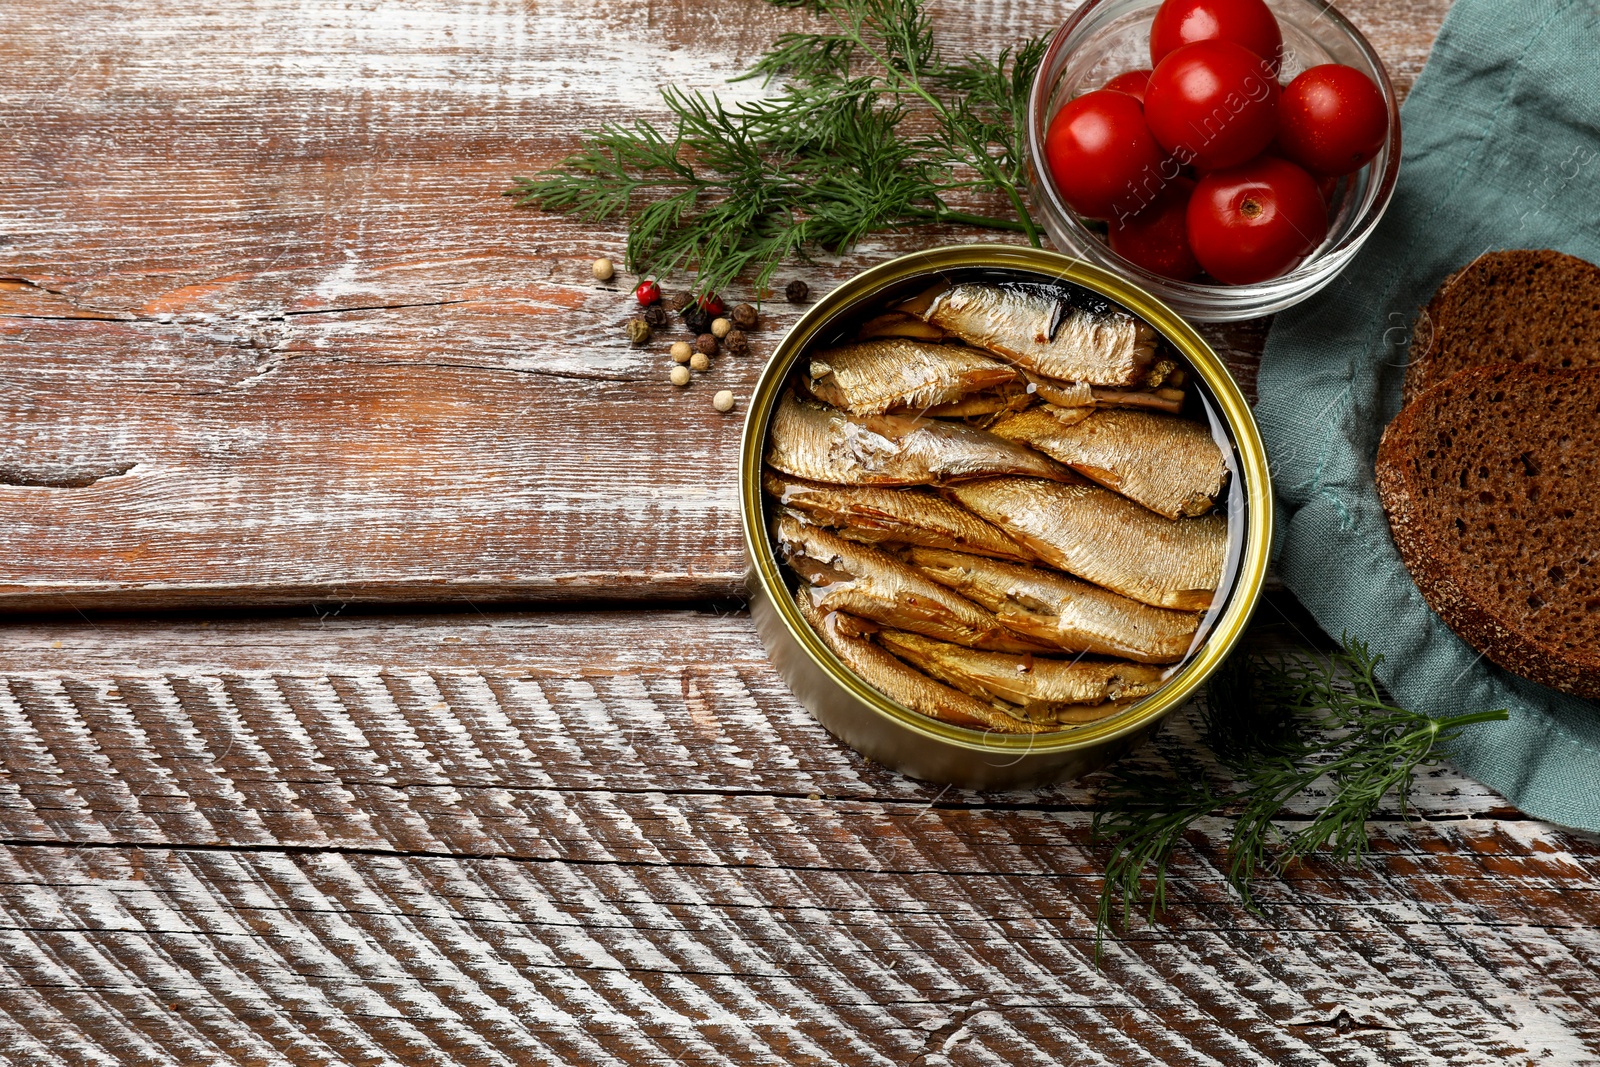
(1519,306)
(1489,482)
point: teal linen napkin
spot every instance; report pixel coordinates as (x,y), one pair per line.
(1502,150)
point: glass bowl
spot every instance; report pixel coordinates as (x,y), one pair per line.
(1102,39)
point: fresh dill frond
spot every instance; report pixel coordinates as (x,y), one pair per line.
(1144,816)
(1274,727)
(871,129)
(991,104)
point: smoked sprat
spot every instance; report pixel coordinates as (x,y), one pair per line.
(988,498)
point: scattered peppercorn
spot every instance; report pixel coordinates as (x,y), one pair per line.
(736,343)
(707,343)
(700,361)
(723,401)
(681,351)
(680,300)
(638,331)
(720,328)
(744,316)
(656,316)
(603,270)
(696,319)
(796,292)
(647,293)
(679,375)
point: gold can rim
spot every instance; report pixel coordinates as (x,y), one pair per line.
(1253,468)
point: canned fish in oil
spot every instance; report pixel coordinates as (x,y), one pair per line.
(925,747)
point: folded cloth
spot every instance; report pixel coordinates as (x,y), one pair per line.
(1501,150)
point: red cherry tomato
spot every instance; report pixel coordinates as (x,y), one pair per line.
(1131,82)
(1102,156)
(647,293)
(1244,22)
(1254,222)
(1327,186)
(1157,238)
(1332,120)
(1212,104)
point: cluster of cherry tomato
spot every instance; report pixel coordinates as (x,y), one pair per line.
(1205,162)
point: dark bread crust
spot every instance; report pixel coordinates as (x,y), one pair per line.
(1517,306)
(1488,483)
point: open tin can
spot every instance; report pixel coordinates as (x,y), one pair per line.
(927,748)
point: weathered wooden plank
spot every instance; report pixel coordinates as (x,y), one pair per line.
(271,336)
(165,955)
(610,837)
(319,470)
(621,699)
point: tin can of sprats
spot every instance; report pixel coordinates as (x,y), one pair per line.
(927,748)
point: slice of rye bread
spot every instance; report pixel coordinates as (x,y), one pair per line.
(1489,484)
(1518,306)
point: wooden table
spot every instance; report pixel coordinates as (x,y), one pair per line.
(277,359)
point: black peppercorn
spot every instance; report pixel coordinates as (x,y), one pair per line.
(744,317)
(706,343)
(736,343)
(796,292)
(656,316)
(697,318)
(680,300)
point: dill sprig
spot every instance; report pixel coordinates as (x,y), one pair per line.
(871,129)
(1275,726)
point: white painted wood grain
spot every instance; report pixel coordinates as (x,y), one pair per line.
(610,837)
